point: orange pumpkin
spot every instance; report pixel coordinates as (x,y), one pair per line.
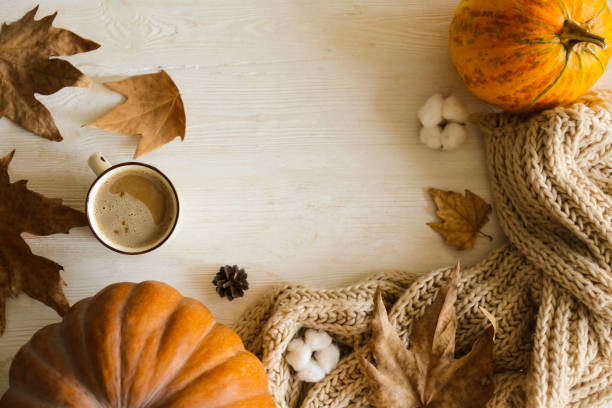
(137,345)
(527,55)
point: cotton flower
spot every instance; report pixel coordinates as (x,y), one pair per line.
(431,136)
(311,373)
(316,339)
(328,358)
(453,110)
(300,355)
(443,122)
(431,112)
(453,136)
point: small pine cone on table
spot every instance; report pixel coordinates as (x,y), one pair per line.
(231,282)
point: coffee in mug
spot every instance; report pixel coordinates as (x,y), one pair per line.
(132,207)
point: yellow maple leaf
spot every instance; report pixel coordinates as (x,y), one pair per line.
(153,109)
(463,217)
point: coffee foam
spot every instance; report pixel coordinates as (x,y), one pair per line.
(133,209)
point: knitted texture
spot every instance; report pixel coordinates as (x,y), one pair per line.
(550,288)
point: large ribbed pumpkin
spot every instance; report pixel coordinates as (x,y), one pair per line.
(136,346)
(527,55)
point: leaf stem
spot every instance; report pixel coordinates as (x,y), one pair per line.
(486,235)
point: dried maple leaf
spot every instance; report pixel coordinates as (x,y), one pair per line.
(22,210)
(26,46)
(427,375)
(153,109)
(463,217)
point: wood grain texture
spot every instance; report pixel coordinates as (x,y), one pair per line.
(301,160)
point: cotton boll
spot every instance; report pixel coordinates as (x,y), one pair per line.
(296,343)
(297,359)
(431,137)
(430,113)
(299,354)
(317,340)
(328,358)
(453,110)
(311,373)
(453,135)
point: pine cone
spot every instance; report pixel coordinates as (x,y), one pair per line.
(231,281)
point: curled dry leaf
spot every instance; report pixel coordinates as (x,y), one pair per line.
(427,375)
(26,46)
(153,109)
(22,210)
(463,217)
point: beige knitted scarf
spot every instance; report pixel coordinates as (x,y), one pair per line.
(550,288)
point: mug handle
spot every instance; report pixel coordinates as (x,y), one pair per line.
(98,164)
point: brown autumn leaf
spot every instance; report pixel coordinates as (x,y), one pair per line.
(463,217)
(26,68)
(427,375)
(22,210)
(153,109)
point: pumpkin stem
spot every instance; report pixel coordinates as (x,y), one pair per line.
(573,34)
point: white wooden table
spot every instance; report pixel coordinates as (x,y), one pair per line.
(301,160)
